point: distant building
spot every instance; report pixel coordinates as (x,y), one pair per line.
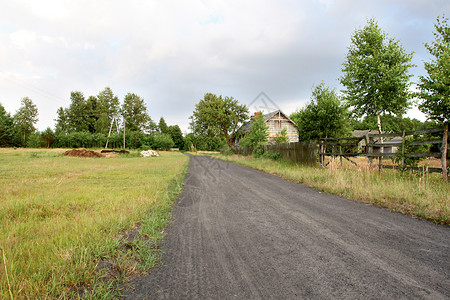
(377,149)
(276,120)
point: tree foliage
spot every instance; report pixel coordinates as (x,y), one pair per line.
(390,124)
(77,112)
(203,142)
(218,116)
(6,128)
(376,73)
(108,107)
(25,119)
(282,137)
(435,87)
(48,136)
(177,136)
(258,133)
(323,116)
(135,113)
(163,128)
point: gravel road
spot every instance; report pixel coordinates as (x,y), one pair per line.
(238,233)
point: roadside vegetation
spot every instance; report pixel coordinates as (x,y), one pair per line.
(414,193)
(76,227)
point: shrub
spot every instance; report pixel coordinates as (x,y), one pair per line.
(258,151)
(162,141)
(272,155)
(227,151)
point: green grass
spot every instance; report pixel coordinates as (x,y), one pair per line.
(61,216)
(417,194)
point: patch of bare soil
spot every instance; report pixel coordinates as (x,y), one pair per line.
(115,151)
(82,153)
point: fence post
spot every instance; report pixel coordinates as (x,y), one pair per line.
(444,153)
(403,148)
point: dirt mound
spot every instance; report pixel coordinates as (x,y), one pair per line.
(115,151)
(82,153)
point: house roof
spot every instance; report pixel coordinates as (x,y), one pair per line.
(268,116)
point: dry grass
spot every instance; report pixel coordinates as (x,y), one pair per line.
(415,193)
(61,215)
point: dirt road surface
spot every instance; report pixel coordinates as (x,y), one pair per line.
(238,233)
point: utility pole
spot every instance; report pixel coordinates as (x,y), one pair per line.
(113,120)
(123,133)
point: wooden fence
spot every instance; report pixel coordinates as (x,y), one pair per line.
(300,152)
(390,145)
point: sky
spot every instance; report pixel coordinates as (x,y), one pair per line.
(266,54)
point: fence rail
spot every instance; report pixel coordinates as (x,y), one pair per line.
(367,145)
(374,146)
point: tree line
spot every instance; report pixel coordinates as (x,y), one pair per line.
(376,95)
(88,123)
(376,82)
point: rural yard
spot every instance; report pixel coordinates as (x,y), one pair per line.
(239,233)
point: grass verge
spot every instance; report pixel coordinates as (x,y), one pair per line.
(74,227)
(414,193)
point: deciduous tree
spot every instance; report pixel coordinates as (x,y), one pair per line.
(108,107)
(376,74)
(219,116)
(258,133)
(77,112)
(282,137)
(25,118)
(323,116)
(435,87)
(6,128)
(163,128)
(177,136)
(135,113)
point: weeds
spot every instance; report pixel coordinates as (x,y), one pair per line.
(415,193)
(62,217)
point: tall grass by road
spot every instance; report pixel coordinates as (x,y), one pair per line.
(61,216)
(417,194)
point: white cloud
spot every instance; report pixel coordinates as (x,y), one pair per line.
(172,52)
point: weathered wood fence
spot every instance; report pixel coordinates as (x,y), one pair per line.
(375,145)
(301,152)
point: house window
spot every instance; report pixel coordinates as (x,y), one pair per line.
(277,124)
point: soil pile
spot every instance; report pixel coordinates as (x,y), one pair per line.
(115,151)
(82,153)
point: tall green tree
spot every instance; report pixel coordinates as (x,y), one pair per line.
(163,128)
(25,119)
(177,136)
(48,136)
(6,128)
(135,113)
(376,74)
(219,116)
(78,113)
(108,107)
(62,121)
(323,116)
(435,87)
(92,113)
(258,132)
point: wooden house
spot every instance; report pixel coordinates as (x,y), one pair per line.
(276,121)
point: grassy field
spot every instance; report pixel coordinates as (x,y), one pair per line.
(418,194)
(61,218)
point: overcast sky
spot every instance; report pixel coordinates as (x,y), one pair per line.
(173,52)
